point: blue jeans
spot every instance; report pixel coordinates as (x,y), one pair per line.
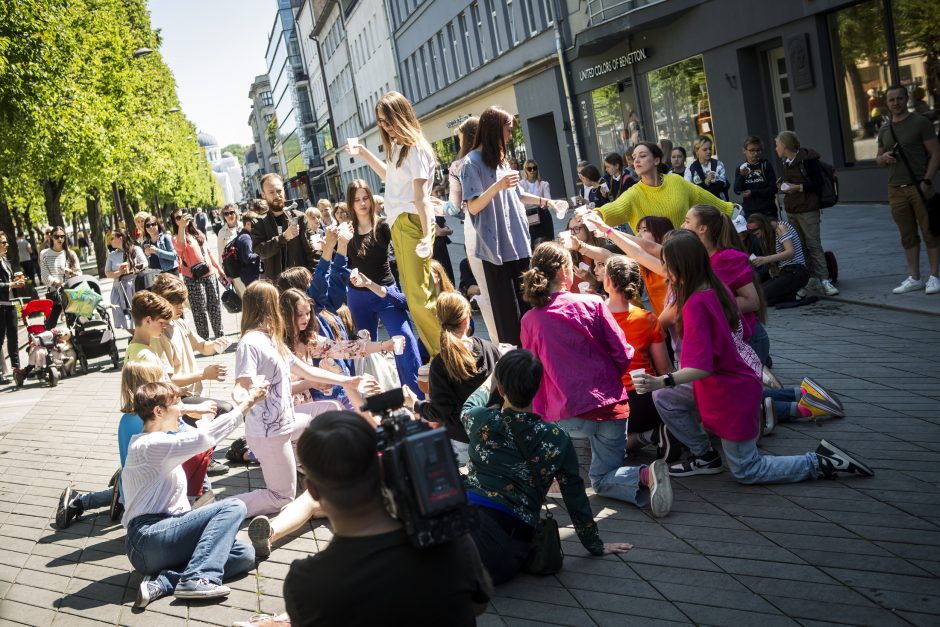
(784,400)
(750,467)
(94,500)
(677,408)
(760,342)
(367,309)
(199,544)
(608,477)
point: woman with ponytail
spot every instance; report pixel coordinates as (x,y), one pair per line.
(461,367)
(729,261)
(565,330)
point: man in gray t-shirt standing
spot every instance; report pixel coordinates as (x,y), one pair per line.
(911,136)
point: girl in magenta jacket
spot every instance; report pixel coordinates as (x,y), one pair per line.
(585,355)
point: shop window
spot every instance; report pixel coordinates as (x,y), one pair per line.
(862,74)
(867,65)
(679,103)
(617,123)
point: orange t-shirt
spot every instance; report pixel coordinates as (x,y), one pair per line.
(656,289)
(641,329)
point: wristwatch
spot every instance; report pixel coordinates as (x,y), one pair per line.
(669,381)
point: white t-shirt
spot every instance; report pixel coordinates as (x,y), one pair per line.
(226,234)
(153,479)
(257,356)
(399,181)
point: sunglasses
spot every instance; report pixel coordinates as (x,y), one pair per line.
(150,224)
(179,217)
(58,237)
(531,169)
(228,213)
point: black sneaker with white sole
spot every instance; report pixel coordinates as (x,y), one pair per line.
(70,508)
(834,461)
(216,468)
(707,464)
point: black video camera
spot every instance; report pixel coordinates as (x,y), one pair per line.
(420,481)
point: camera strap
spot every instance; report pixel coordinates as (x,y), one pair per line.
(907,164)
(520,444)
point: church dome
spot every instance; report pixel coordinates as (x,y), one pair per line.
(206,140)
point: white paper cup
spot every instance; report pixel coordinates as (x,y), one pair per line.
(423,250)
(584,266)
(565,238)
(584,287)
(399,344)
(637,371)
(561,208)
(364,334)
(504,348)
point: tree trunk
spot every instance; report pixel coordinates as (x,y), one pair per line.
(52,198)
(126,214)
(96,229)
(8,227)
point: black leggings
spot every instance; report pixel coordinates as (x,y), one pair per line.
(504,284)
(8,330)
(643,414)
(503,542)
(783,287)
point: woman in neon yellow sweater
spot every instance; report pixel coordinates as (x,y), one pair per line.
(657,194)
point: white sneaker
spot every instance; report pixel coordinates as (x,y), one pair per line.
(910,284)
(933,285)
(828,288)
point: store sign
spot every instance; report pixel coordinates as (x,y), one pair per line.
(613,64)
(457,121)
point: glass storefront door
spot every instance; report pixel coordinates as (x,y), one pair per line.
(616,120)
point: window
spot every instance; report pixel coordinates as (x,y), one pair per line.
(266,99)
(865,66)
(479,33)
(608,121)
(494,30)
(456,50)
(510,17)
(679,103)
(442,56)
(472,61)
(426,82)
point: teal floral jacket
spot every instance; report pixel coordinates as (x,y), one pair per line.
(498,470)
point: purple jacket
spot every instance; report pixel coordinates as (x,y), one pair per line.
(583,352)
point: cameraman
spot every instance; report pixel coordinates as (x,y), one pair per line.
(370,574)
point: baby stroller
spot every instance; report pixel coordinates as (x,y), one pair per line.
(92,335)
(41,344)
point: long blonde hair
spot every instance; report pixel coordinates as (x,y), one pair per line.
(396,109)
(261,311)
(453,310)
(133,375)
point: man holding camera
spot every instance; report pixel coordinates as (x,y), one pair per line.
(280,237)
(371,574)
(909,148)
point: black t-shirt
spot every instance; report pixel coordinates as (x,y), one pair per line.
(384,580)
(370,254)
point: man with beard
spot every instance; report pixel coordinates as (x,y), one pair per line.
(275,236)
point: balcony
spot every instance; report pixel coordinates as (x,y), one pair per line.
(600,11)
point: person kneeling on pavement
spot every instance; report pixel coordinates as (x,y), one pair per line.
(184,552)
(371,574)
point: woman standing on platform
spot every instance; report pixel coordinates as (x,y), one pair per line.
(408,175)
(466,133)
(495,203)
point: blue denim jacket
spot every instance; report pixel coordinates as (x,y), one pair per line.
(165,257)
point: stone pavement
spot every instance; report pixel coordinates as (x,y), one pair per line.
(853,551)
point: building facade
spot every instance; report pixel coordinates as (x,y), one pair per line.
(457,58)
(683,68)
(260,120)
(293,113)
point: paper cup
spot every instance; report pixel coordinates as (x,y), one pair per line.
(399,344)
(584,266)
(561,208)
(423,250)
(584,287)
(637,371)
(565,238)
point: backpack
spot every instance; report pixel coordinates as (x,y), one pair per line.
(829,194)
(231,264)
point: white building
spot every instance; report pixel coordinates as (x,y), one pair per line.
(225,167)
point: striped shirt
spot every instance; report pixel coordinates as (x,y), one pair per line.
(52,265)
(798,259)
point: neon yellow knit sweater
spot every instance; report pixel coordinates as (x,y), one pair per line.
(670,200)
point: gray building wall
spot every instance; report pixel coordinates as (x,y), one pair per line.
(736,79)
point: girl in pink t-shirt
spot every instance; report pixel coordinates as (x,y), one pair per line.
(732,265)
(727,388)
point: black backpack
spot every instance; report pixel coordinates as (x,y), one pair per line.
(829,194)
(231,264)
